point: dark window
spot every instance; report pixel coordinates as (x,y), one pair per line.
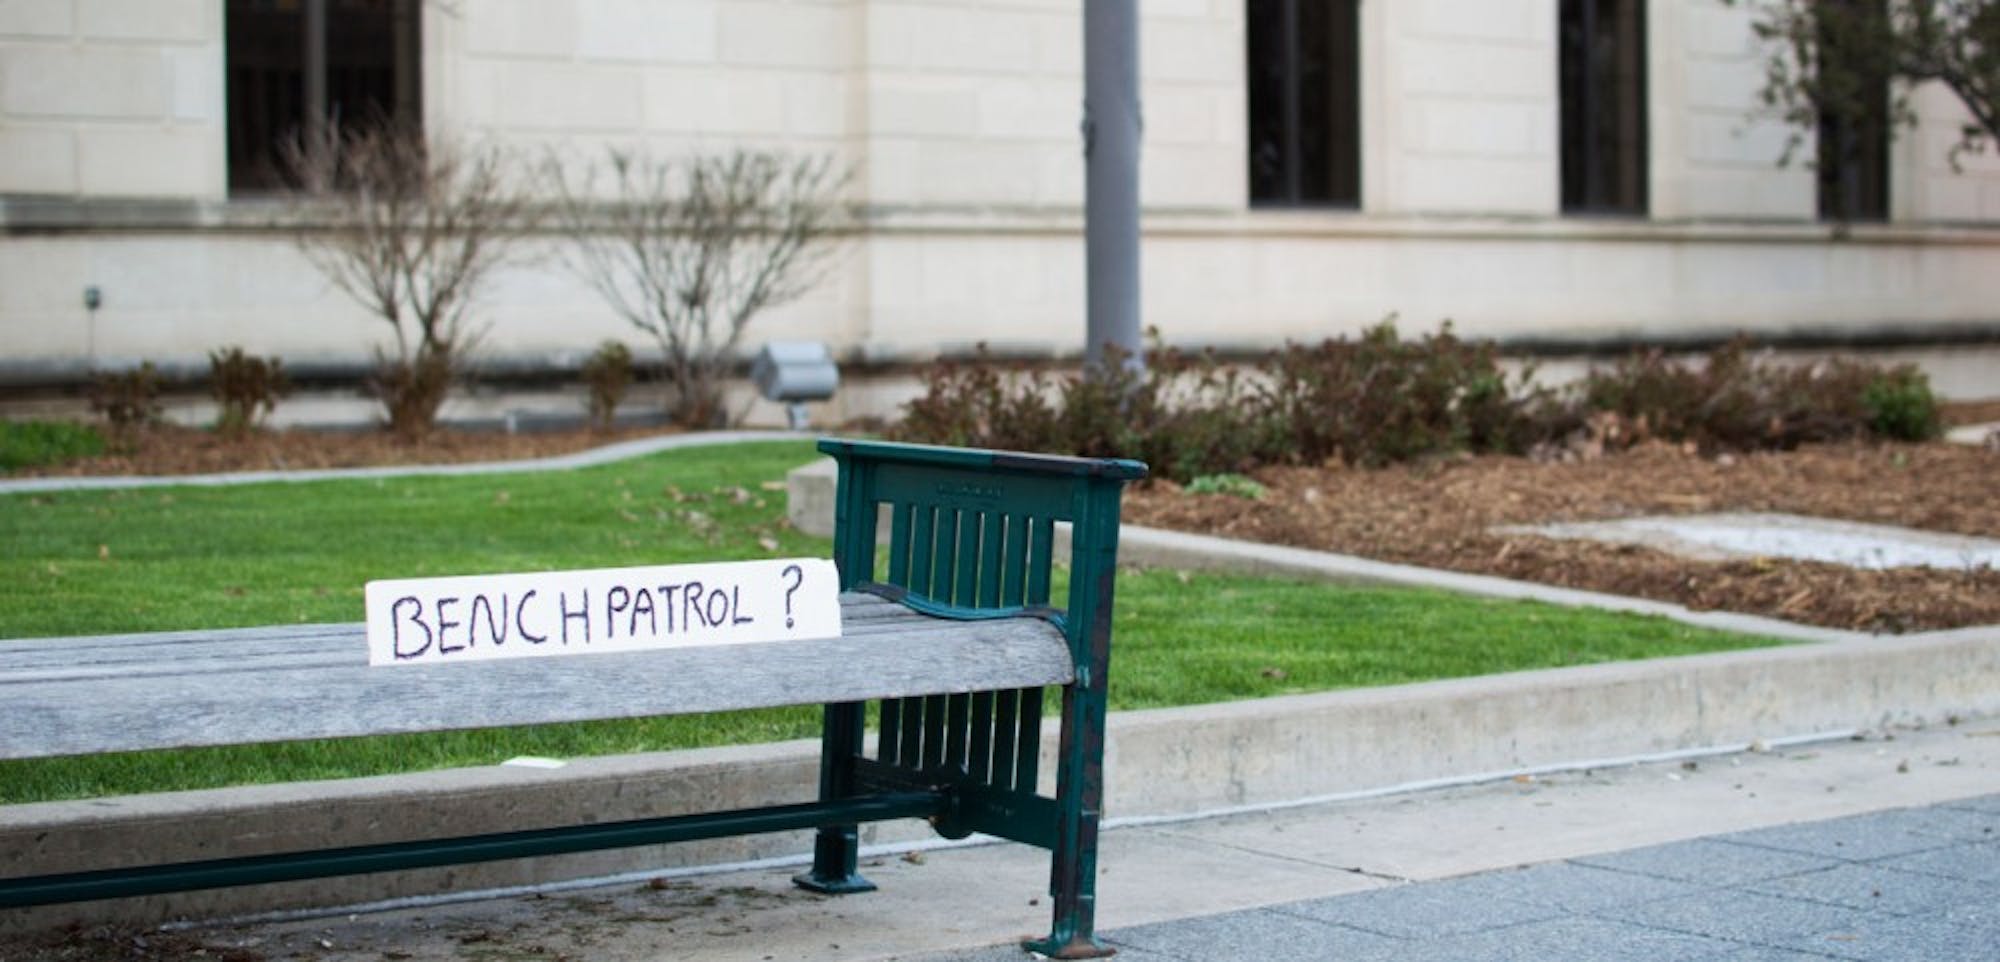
(293,60)
(1603,77)
(1853,157)
(1304,70)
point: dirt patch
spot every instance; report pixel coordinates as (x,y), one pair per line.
(122,943)
(1971,412)
(1440,515)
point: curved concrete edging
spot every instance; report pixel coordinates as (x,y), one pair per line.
(607,454)
(1152,547)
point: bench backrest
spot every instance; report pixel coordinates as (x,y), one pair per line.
(972,533)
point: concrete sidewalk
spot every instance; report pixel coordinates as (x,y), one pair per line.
(1910,885)
(1777,854)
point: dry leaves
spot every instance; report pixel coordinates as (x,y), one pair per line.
(1439,514)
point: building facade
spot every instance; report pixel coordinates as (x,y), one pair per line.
(1549,171)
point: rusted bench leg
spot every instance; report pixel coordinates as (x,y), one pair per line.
(1079,801)
(836,847)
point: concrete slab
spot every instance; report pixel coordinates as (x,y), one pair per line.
(1878,889)
(1721,537)
(1524,820)
(1860,838)
(1569,939)
(1709,860)
(1878,939)
(1423,912)
(1976,864)
(1277,936)
(1739,916)
(1987,434)
(977,899)
(1568,886)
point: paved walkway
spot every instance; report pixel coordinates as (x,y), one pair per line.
(1884,848)
(1918,884)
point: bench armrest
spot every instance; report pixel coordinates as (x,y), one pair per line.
(937,609)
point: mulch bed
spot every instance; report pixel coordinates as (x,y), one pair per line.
(1436,514)
(1439,515)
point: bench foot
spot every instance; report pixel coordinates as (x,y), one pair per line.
(849,884)
(835,864)
(1075,947)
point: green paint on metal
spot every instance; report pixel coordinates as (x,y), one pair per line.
(255,870)
(972,536)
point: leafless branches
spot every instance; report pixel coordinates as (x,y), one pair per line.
(691,250)
(409,228)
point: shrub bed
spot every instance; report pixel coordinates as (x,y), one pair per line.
(1382,399)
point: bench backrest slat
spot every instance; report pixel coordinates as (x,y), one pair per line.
(970,529)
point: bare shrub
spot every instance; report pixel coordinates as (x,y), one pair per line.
(691,250)
(1383,399)
(246,388)
(608,372)
(409,227)
(128,400)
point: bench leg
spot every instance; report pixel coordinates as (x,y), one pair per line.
(836,847)
(1080,801)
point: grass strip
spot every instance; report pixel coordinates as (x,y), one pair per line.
(160,559)
(29,444)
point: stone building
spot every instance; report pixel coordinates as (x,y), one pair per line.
(1549,171)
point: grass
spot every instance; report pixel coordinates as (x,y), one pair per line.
(187,557)
(28,444)
(143,559)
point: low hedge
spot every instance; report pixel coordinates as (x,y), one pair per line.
(1381,399)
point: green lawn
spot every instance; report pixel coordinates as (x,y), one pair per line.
(166,558)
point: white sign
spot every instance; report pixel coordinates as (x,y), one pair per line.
(417,621)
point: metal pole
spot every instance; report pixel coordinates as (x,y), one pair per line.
(1111,126)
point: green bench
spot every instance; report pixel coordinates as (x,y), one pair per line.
(951,632)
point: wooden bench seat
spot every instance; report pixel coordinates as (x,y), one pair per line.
(116,693)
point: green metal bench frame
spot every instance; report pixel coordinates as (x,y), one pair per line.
(971,535)
(971,538)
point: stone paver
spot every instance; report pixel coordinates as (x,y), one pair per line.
(1973,862)
(1430,911)
(1876,888)
(1883,939)
(1909,885)
(1710,861)
(1862,837)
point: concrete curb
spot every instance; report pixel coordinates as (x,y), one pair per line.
(1159,763)
(610,453)
(1152,547)
(1974,434)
